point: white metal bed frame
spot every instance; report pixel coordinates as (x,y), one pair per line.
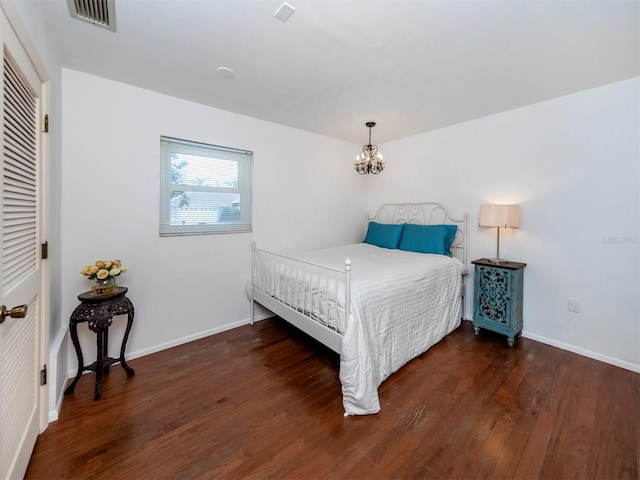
(307,319)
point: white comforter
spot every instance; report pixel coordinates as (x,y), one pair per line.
(402,303)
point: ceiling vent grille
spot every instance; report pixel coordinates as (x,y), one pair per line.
(99,12)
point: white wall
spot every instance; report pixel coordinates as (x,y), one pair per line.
(573,165)
(305,194)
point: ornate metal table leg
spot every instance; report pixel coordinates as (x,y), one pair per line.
(105,345)
(73,329)
(99,364)
(130,371)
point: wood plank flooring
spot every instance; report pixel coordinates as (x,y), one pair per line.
(265,402)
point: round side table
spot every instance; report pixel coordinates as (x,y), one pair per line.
(98,311)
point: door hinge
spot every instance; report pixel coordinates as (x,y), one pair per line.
(44,251)
(45,123)
(43,376)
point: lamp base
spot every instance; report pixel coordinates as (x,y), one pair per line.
(498,261)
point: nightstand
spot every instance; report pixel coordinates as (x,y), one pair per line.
(497,297)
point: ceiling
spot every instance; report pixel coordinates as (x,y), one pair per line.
(411,66)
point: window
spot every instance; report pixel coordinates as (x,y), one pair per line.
(203,188)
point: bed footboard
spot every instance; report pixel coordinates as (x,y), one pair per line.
(314,298)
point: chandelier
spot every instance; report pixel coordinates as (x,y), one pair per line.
(370,160)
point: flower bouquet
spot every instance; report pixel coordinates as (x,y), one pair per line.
(105,273)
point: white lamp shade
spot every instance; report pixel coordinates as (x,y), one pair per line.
(499,216)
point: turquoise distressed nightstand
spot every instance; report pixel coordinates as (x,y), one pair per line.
(497,299)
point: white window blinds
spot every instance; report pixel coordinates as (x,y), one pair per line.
(203,188)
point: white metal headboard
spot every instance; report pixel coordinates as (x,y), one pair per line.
(428,213)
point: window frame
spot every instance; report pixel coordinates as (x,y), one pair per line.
(244,158)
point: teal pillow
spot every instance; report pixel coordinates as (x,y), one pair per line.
(384,235)
(428,238)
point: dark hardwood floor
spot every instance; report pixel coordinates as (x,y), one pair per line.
(265,402)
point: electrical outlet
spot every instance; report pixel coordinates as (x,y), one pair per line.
(574,305)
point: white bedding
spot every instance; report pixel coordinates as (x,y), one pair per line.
(401,304)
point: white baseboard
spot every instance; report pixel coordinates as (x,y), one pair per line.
(183,340)
(55,397)
(583,351)
(580,351)
(54,413)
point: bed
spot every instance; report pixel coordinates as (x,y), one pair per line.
(379,303)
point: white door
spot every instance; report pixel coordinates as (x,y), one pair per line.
(20,272)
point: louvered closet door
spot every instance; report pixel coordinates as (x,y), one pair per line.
(20,269)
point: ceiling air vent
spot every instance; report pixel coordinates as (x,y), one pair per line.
(99,12)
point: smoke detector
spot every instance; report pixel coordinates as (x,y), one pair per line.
(98,12)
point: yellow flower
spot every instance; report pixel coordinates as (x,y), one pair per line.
(103,269)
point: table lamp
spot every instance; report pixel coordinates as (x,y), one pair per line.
(501,216)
